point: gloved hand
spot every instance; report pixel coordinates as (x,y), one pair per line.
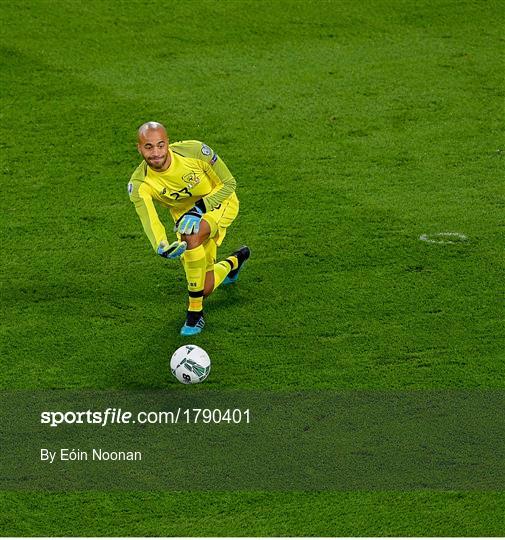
(172,251)
(189,223)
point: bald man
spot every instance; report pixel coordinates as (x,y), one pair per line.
(194,184)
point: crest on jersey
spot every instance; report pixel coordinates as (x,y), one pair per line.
(191,179)
(206,151)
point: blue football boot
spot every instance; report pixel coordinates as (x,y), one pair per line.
(242,255)
(194,323)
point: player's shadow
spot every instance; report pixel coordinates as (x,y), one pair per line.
(227,297)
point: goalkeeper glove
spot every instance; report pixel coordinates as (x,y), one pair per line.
(172,251)
(189,223)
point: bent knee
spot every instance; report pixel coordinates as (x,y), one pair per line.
(197,239)
(192,240)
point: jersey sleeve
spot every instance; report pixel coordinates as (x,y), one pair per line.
(141,198)
(227,183)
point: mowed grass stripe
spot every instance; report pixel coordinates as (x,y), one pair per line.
(255,514)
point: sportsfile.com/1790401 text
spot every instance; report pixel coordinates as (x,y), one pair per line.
(116,416)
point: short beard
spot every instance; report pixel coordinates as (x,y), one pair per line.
(158,167)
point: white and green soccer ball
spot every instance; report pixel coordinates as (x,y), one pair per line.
(190,364)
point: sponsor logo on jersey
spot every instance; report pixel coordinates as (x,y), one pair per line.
(206,151)
(130,188)
(214,159)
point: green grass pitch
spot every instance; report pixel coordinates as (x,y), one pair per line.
(352,129)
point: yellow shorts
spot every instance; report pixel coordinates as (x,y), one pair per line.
(219,220)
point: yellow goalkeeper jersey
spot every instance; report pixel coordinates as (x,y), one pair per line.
(195,173)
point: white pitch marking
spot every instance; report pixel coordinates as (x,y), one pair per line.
(444,238)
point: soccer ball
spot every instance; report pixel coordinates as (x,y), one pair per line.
(190,364)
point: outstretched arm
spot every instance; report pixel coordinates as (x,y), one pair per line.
(154,229)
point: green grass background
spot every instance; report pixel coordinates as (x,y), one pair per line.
(352,128)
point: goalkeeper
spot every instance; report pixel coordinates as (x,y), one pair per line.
(195,185)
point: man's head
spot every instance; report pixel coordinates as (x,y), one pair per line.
(152,144)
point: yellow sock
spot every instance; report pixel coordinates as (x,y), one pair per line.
(223,268)
(233,261)
(194,265)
